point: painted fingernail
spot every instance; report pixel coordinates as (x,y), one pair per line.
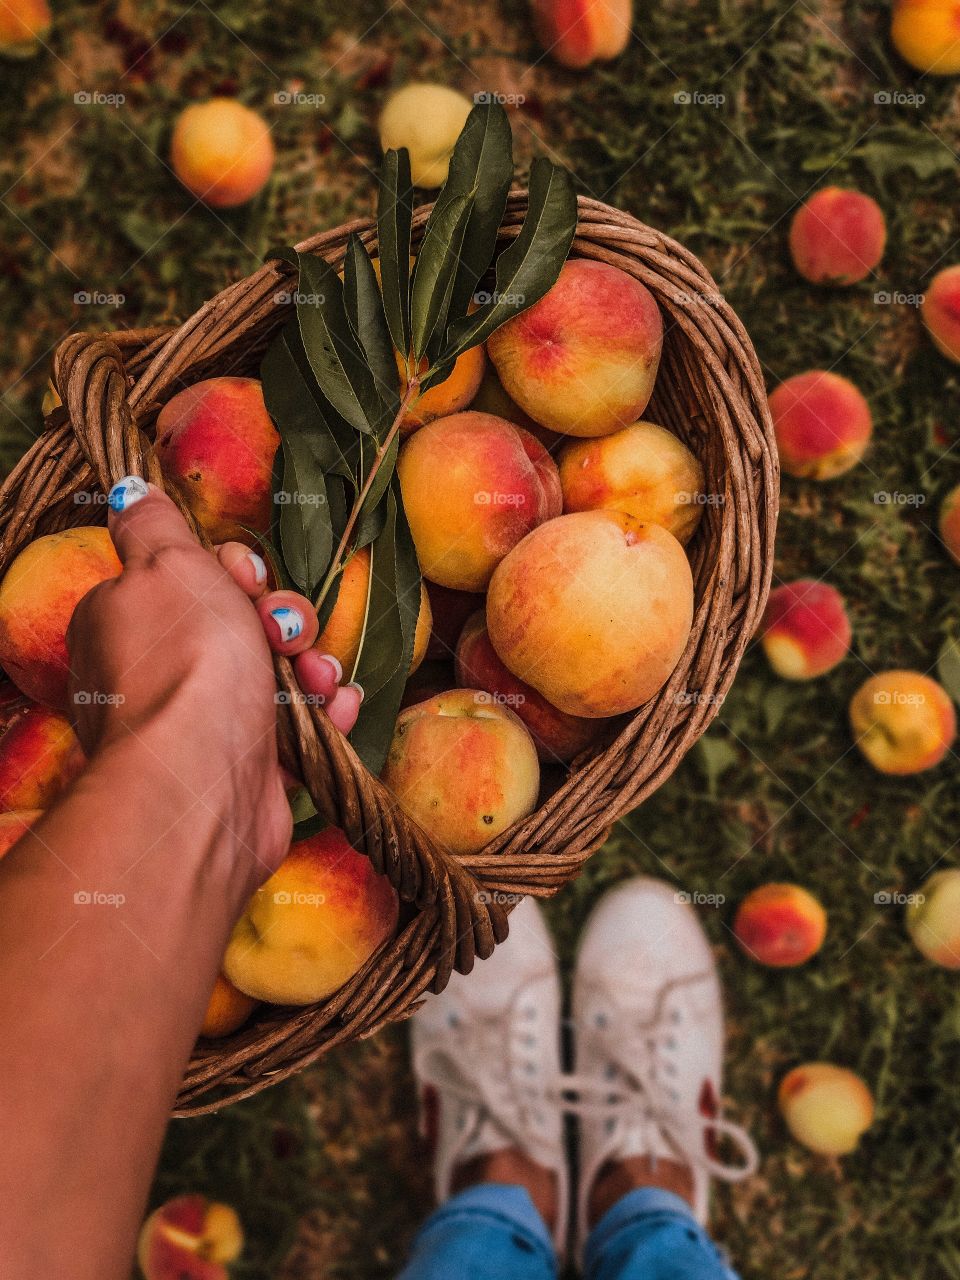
(359,688)
(328,657)
(259,567)
(126,492)
(289,622)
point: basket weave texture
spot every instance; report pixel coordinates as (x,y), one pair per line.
(710,392)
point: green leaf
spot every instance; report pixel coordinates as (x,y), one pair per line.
(394,218)
(371,517)
(436,267)
(529,266)
(948,667)
(364,307)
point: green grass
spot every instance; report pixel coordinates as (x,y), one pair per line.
(330,1161)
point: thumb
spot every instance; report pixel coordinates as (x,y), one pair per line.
(143,520)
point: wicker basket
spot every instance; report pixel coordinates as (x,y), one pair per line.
(710,392)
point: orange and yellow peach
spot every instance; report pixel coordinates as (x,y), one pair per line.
(593,610)
(780,925)
(827,1108)
(941,310)
(427,119)
(805,630)
(449,610)
(556,735)
(189,1238)
(222,152)
(227,1010)
(15,825)
(38,595)
(39,757)
(837,237)
(24,26)
(926,33)
(578,32)
(463,767)
(949,523)
(473,486)
(217,444)
(822,424)
(933,918)
(583,360)
(450,396)
(643,470)
(902,721)
(313,925)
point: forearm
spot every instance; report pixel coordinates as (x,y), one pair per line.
(114,914)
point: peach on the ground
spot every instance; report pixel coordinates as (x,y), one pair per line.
(556,735)
(827,1108)
(344,629)
(450,396)
(189,1238)
(449,610)
(780,925)
(473,486)
(227,1010)
(24,26)
(926,33)
(464,767)
(427,119)
(221,151)
(837,236)
(949,522)
(933,918)
(805,630)
(822,423)
(217,444)
(643,470)
(902,721)
(38,595)
(593,610)
(578,32)
(940,310)
(39,756)
(583,360)
(15,825)
(313,925)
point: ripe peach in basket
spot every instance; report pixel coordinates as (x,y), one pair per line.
(780,925)
(38,595)
(827,1108)
(941,310)
(902,721)
(14,825)
(578,32)
(227,1010)
(221,151)
(189,1238)
(822,424)
(39,756)
(837,236)
(926,33)
(473,485)
(583,360)
(450,396)
(217,444)
(593,610)
(313,925)
(24,26)
(805,630)
(464,767)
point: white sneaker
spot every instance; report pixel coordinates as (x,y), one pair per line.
(486,1054)
(648,1035)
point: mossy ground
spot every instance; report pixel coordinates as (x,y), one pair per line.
(327,1166)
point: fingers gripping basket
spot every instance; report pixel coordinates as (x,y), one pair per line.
(709,391)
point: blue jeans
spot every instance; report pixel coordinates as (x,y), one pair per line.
(493,1232)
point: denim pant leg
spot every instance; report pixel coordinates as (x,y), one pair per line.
(488,1231)
(651,1234)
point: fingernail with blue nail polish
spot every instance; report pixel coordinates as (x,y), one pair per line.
(289,622)
(259,567)
(126,492)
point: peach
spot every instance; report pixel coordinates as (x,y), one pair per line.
(578,32)
(941,310)
(827,1108)
(24,26)
(805,630)
(902,721)
(217,444)
(227,1010)
(313,925)
(556,735)
(593,610)
(933,918)
(926,33)
(643,470)
(780,925)
(189,1238)
(464,767)
(822,424)
(449,610)
(427,119)
(38,595)
(473,485)
(583,360)
(449,396)
(39,757)
(221,151)
(949,523)
(344,628)
(15,825)
(837,236)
